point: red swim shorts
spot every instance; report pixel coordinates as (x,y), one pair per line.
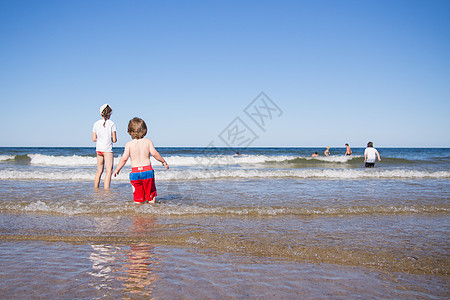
(143,181)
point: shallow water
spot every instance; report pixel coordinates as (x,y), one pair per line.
(136,271)
(340,231)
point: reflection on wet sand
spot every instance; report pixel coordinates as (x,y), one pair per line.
(139,269)
(133,267)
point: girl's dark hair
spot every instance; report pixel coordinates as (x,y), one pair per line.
(369,144)
(106,114)
(137,128)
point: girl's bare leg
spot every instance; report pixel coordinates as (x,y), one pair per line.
(109,164)
(100,164)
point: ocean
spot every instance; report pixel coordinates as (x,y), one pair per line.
(271,223)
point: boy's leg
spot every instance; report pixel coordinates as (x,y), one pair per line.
(138,191)
(150,190)
(100,164)
(109,164)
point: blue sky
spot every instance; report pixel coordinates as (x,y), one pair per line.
(340,71)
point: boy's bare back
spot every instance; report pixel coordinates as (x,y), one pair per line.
(139,151)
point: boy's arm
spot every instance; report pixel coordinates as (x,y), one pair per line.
(157,156)
(378,154)
(123,160)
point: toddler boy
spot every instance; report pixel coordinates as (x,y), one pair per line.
(142,176)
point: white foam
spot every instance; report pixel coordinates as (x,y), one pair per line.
(335,159)
(73,160)
(40,206)
(76,160)
(49,175)
(299,173)
(202,161)
(6,157)
(183,210)
(221,160)
(205,174)
(248,159)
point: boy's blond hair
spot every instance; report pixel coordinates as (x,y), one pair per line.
(137,128)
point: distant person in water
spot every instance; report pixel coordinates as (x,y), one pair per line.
(327,152)
(370,155)
(315,154)
(104,134)
(236,154)
(139,150)
(348,151)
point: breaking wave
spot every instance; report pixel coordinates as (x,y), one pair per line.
(90,207)
(79,160)
(210,174)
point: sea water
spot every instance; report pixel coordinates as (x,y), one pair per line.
(269,223)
